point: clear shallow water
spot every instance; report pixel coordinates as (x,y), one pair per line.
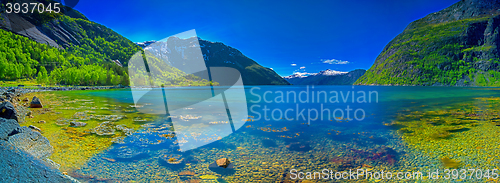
(267,149)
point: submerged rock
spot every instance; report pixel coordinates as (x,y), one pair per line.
(186,173)
(173,159)
(109,159)
(127,131)
(223,162)
(118,140)
(8,111)
(62,122)
(125,152)
(77,124)
(105,128)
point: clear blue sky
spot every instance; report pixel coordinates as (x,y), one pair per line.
(276,34)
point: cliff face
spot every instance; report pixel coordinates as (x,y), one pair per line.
(43,28)
(458,46)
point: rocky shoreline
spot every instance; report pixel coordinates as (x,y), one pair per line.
(24,151)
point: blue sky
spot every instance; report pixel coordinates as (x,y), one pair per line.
(284,35)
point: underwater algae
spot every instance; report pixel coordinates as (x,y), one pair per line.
(74,145)
(463,135)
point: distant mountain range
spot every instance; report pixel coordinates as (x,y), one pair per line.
(215,54)
(457,46)
(326,77)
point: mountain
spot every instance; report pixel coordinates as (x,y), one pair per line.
(61,48)
(457,46)
(145,44)
(159,73)
(326,77)
(215,54)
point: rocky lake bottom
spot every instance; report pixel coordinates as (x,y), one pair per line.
(107,139)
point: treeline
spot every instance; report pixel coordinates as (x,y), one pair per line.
(86,75)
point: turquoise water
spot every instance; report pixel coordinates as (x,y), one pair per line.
(262,142)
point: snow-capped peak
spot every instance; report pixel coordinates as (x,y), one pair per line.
(298,75)
(329,72)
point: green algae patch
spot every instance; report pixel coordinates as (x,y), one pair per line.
(459,135)
(73,122)
(449,163)
(208,177)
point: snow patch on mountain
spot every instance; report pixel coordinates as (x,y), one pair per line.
(298,75)
(327,72)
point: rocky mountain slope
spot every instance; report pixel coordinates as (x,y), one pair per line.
(215,54)
(61,48)
(326,77)
(68,29)
(458,46)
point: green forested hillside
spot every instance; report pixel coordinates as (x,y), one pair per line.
(21,57)
(458,46)
(98,43)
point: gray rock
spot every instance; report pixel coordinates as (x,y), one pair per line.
(36,103)
(52,164)
(8,111)
(31,142)
(9,95)
(21,112)
(18,166)
(35,128)
(77,124)
(7,126)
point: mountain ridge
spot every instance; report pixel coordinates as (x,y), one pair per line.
(457,46)
(215,54)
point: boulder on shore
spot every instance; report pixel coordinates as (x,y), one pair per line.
(36,103)
(31,142)
(8,111)
(7,126)
(19,166)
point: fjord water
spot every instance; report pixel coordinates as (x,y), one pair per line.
(267,147)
